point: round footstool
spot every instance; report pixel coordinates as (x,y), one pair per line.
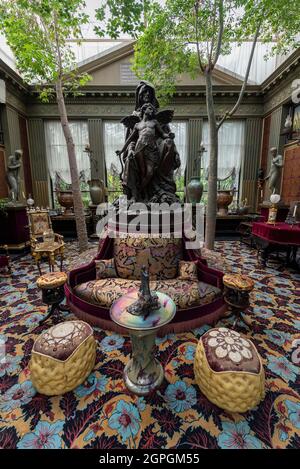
(62,357)
(229,371)
(237,288)
(52,286)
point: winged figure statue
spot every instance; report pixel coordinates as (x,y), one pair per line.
(149,156)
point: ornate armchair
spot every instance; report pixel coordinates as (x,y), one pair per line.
(39,223)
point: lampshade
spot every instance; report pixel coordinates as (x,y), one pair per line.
(274,198)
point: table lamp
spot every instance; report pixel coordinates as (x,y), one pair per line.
(274,199)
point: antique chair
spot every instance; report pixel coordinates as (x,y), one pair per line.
(181,273)
(43,242)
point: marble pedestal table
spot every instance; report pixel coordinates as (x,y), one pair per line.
(143,373)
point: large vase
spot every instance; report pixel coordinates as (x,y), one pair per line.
(97,191)
(224,199)
(195,189)
(65,198)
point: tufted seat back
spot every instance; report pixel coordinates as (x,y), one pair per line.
(161,256)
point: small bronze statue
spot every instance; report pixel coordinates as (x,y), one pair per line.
(147,300)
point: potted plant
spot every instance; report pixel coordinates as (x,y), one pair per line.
(3,205)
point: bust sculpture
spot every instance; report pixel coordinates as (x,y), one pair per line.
(275,170)
(149,156)
(13,175)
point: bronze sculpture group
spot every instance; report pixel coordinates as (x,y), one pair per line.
(149,156)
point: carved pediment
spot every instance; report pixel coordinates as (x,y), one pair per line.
(113,68)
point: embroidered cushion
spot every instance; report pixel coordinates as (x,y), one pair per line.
(185,293)
(62,357)
(52,280)
(105,268)
(228,370)
(187,270)
(160,255)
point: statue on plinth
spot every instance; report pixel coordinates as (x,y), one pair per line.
(13,175)
(275,171)
(147,300)
(149,156)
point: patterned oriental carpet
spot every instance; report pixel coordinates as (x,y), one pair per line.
(102,414)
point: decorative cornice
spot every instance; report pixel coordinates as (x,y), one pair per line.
(119,110)
(9,75)
(281,72)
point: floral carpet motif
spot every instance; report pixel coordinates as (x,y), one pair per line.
(101,413)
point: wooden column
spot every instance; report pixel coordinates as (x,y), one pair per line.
(37,148)
(3,183)
(96,140)
(194,141)
(253,132)
(26,157)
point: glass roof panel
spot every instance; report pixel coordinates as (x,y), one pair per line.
(235,62)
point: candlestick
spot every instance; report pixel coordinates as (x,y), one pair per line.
(295,210)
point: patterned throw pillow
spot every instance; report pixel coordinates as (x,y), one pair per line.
(105,268)
(215,260)
(160,255)
(187,270)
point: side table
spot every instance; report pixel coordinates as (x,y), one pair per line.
(48,250)
(237,288)
(143,373)
(52,286)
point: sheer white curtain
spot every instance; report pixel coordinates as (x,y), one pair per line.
(180,130)
(114,138)
(231,147)
(56,149)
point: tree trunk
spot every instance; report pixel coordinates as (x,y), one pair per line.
(78,204)
(211,209)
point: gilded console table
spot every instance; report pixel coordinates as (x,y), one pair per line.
(143,373)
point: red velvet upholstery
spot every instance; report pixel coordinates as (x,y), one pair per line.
(184,319)
(4,261)
(280,233)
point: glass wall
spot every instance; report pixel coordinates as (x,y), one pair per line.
(231,153)
(57,156)
(180,130)
(114,137)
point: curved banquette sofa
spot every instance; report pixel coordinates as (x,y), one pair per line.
(179,272)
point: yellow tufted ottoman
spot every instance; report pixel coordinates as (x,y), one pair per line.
(229,371)
(62,357)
